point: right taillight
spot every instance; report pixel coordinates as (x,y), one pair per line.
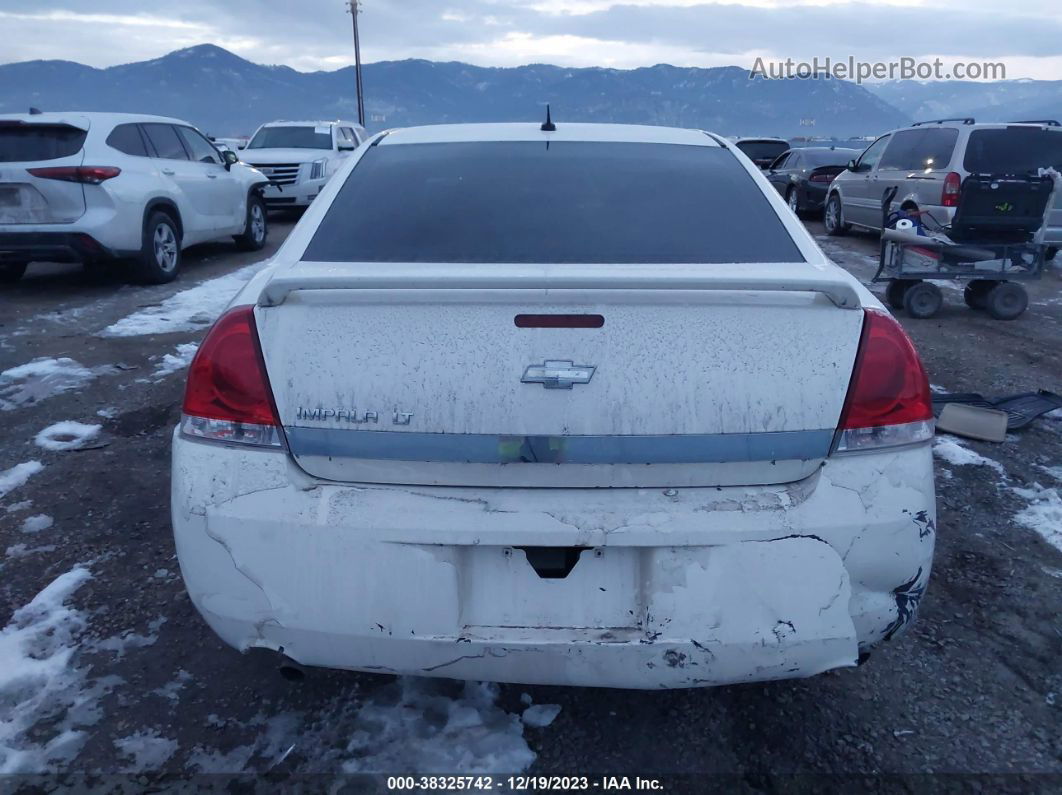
(888,402)
(949,195)
(228,398)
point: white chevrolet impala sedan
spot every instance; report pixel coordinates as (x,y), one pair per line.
(582,406)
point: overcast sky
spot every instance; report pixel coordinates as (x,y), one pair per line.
(1026,35)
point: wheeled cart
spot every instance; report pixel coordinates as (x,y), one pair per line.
(990,245)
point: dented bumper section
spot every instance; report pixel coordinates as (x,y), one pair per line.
(664,587)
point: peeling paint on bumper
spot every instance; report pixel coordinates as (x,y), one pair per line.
(674,588)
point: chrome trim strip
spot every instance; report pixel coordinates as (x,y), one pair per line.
(475,448)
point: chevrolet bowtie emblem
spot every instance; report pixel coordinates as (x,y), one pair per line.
(554,374)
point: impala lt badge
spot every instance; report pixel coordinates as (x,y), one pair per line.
(556,374)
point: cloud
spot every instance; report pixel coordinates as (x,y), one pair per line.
(315,34)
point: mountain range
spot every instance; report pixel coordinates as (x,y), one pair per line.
(224,94)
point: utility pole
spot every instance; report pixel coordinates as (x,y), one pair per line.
(354,8)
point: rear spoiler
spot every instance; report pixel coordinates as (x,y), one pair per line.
(781,277)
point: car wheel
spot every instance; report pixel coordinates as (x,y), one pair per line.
(896,290)
(923,300)
(793,200)
(1006,301)
(834,217)
(256,230)
(1051,253)
(975,294)
(160,255)
(11,272)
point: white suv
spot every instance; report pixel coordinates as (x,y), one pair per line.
(612,419)
(299,157)
(89,187)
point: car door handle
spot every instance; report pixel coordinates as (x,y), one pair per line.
(169,172)
(212,176)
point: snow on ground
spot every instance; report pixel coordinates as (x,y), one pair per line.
(19,506)
(174,362)
(540,715)
(189,310)
(46,705)
(413,725)
(11,479)
(1043,513)
(44,378)
(118,644)
(66,435)
(147,750)
(949,449)
(24,550)
(36,523)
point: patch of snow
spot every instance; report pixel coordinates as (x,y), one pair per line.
(949,449)
(44,378)
(414,725)
(1043,513)
(147,749)
(22,551)
(66,435)
(108,413)
(189,310)
(119,644)
(11,479)
(19,506)
(172,690)
(1054,472)
(540,715)
(36,523)
(174,362)
(45,704)
(937,389)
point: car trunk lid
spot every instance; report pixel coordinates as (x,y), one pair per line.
(423,373)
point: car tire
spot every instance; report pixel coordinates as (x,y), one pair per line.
(896,290)
(256,227)
(1051,253)
(1006,301)
(159,260)
(11,272)
(975,294)
(833,217)
(792,198)
(922,300)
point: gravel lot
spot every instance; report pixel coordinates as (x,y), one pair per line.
(117,673)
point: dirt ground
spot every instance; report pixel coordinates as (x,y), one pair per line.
(975,688)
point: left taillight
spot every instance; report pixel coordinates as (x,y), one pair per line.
(228,398)
(89,175)
(949,194)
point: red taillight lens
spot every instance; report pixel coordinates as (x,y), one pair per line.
(821,177)
(228,396)
(949,196)
(888,401)
(92,175)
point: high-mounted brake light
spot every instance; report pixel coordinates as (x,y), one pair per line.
(888,402)
(228,398)
(90,175)
(949,196)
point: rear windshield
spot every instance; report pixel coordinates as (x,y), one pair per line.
(568,202)
(292,138)
(32,142)
(1013,150)
(761,150)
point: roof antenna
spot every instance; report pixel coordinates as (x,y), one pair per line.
(548,125)
(35,111)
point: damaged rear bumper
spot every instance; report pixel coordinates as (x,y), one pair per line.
(671,588)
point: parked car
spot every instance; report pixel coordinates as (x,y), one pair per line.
(762,151)
(97,187)
(803,175)
(612,420)
(927,163)
(299,157)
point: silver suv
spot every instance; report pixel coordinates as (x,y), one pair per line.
(927,163)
